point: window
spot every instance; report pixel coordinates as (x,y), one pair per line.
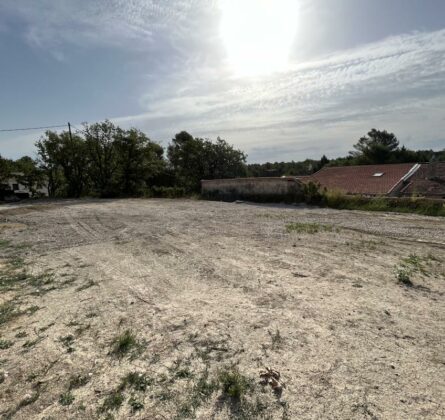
(378,174)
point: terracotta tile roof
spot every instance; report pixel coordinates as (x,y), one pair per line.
(428,181)
(365,179)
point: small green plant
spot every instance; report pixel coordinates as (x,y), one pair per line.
(233,383)
(135,404)
(66,398)
(78,381)
(112,402)
(8,312)
(125,343)
(309,228)
(68,342)
(5,344)
(403,276)
(138,381)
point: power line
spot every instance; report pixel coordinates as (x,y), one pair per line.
(31,128)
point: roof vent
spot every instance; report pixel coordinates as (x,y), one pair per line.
(378,174)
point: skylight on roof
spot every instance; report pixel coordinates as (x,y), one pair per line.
(378,174)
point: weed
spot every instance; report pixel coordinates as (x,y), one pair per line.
(135,404)
(78,381)
(5,344)
(277,339)
(32,309)
(8,312)
(415,262)
(91,315)
(4,243)
(125,343)
(136,380)
(66,399)
(21,334)
(233,383)
(403,276)
(309,228)
(112,402)
(68,342)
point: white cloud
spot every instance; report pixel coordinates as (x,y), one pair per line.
(323,101)
(312,108)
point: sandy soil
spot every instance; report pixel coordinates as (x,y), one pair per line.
(206,288)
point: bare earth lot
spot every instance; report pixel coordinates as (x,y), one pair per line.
(161,309)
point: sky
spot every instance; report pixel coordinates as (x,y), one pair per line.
(279,79)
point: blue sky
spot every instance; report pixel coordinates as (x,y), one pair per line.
(280,79)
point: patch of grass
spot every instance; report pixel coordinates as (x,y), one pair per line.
(138,381)
(5,344)
(8,312)
(233,384)
(403,276)
(91,315)
(126,344)
(67,342)
(32,310)
(135,404)
(21,334)
(112,402)
(4,243)
(66,398)
(415,262)
(309,228)
(78,381)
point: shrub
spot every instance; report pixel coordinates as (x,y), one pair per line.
(233,383)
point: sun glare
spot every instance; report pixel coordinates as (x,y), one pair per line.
(258,34)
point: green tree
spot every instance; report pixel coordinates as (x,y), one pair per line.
(140,161)
(5,169)
(377,147)
(102,154)
(30,175)
(194,159)
(69,154)
(48,149)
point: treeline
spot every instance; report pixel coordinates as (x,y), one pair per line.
(105,160)
(378,147)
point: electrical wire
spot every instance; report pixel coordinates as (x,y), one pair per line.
(30,128)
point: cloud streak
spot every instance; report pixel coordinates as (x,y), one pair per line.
(317,106)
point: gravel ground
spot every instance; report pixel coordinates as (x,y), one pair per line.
(204,293)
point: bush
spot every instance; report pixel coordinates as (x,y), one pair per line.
(166,192)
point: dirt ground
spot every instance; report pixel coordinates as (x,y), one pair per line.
(161,309)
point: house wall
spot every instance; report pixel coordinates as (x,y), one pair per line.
(251,187)
(22,189)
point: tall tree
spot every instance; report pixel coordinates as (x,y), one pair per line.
(70,154)
(139,161)
(102,154)
(194,159)
(48,149)
(377,147)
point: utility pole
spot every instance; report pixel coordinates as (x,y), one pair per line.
(69,131)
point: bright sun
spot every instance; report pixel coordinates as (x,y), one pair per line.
(258,34)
